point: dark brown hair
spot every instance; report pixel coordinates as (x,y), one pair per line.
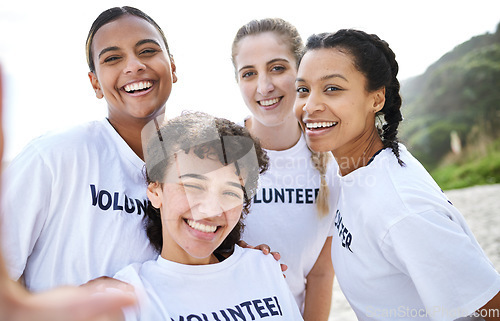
(202,134)
(113,14)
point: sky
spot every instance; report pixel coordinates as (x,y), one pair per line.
(42,49)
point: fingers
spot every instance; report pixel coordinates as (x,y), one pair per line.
(74,304)
(108,303)
(104,283)
(276,255)
(264,248)
(244,245)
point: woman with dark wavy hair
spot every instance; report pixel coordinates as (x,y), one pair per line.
(202,173)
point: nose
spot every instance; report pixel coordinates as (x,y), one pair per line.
(134,64)
(264,85)
(313,104)
(208,206)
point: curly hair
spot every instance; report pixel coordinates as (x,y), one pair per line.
(374,58)
(204,135)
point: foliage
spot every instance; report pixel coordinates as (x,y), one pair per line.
(475,171)
(460,92)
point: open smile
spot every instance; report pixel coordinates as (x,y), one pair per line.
(319,128)
(269,103)
(201,227)
(138,87)
(320,125)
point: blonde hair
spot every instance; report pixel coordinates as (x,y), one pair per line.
(320,161)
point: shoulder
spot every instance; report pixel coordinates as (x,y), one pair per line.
(65,137)
(393,179)
(132,273)
(68,137)
(62,142)
(414,184)
(394,191)
(255,260)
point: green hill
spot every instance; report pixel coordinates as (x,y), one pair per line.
(459,93)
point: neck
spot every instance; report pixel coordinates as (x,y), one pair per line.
(131,131)
(280,137)
(358,153)
(188,259)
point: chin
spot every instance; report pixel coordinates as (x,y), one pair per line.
(201,252)
(318,146)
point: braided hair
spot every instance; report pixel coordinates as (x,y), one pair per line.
(377,62)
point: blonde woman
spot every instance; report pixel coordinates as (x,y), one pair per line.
(290,211)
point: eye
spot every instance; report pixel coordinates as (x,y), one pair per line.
(278,68)
(192,187)
(332,88)
(302,90)
(248,74)
(111,59)
(234,194)
(148,51)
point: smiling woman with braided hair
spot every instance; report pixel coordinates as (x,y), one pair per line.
(401,249)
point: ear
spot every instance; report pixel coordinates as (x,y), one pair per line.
(96,85)
(155,194)
(379,100)
(174,69)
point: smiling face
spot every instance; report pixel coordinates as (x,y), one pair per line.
(266,74)
(333,105)
(133,70)
(200,204)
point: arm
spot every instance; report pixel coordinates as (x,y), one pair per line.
(319,286)
(65,304)
(491,310)
(62,304)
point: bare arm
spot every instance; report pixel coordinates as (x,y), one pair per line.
(491,310)
(61,304)
(319,286)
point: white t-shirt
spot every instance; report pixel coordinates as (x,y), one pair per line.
(284,215)
(401,250)
(246,286)
(72,208)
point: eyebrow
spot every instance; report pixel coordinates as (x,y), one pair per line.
(140,42)
(193,176)
(204,178)
(267,63)
(108,49)
(143,41)
(326,77)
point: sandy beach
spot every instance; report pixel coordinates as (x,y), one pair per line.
(480,206)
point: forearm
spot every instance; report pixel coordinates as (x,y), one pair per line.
(491,311)
(62,304)
(318,298)
(319,286)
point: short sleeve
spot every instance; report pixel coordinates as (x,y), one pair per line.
(448,268)
(130,274)
(26,193)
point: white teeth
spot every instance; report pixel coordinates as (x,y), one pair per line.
(138,86)
(324,124)
(202,227)
(269,102)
